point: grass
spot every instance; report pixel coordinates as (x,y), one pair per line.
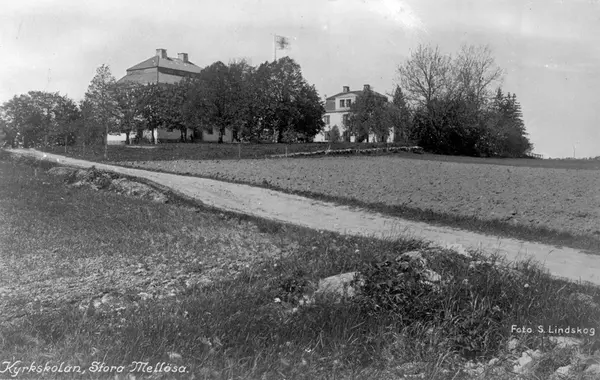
(213,151)
(195,288)
(198,151)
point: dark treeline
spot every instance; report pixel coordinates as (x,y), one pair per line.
(448,105)
(455,105)
(269,102)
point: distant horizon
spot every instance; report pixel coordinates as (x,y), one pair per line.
(548,49)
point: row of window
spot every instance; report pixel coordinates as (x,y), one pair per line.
(327,119)
(345,103)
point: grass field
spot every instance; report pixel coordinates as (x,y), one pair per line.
(92,276)
(212,151)
(199,151)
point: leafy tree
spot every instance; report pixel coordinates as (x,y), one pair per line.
(400,116)
(334,134)
(38,117)
(130,117)
(219,98)
(103,103)
(289,108)
(369,114)
(68,121)
(454,110)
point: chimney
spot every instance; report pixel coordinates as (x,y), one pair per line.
(367,87)
(346,89)
(161,53)
(183,57)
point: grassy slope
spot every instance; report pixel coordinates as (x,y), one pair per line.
(60,246)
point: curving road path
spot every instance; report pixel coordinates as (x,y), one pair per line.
(560,261)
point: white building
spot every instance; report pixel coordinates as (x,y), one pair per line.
(337,112)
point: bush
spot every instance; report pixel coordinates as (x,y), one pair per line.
(398,285)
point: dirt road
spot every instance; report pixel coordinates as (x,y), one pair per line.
(562,262)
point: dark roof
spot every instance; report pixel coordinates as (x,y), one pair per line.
(169,63)
(358,93)
(138,77)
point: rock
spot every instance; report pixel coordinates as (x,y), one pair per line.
(415,256)
(512,344)
(584,299)
(144,296)
(563,371)
(458,248)
(593,369)
(136,189)
(565,341)
(338,286)
(526,361)
(432,276)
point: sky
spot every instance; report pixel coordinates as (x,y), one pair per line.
(549,49)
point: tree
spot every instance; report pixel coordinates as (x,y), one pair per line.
(475,72)
(426,75)
(334,134)
(103,102)
(289,108)
(218,98)
(38,117)
(369,115)
(68,121)
(454,110)
(130,116)
(400,115)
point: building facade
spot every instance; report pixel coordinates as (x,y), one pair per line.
(337,112)
(166,70)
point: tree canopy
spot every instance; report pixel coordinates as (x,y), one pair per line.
(453,107)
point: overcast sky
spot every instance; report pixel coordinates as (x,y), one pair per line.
(550,49)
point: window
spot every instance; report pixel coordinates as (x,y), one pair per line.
(342,103)
(345,119)
(348,102)
(327,136)
(326,119)
(209,131)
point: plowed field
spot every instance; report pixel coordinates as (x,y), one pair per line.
(560,199)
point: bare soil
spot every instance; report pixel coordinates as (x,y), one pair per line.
(562,262)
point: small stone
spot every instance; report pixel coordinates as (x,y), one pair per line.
(415,256)
(565,341)
(563,371)
(525,362)
(593,369)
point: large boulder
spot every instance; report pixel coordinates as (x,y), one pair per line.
(339,286)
